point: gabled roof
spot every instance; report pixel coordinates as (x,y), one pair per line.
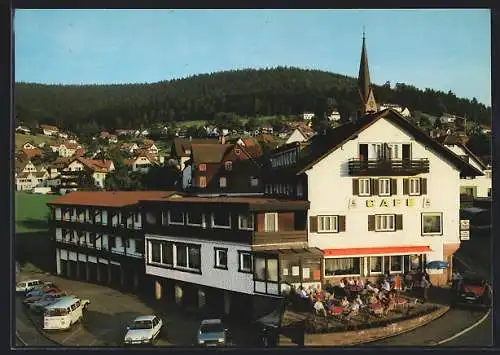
(30,153)
(252,147)
(108,198)
(209,153)
(181,145)
(321,146)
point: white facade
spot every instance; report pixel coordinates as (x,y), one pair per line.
(480,186)
(229,279)
(307,116)
(329,177)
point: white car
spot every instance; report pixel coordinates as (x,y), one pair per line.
(143,330)
(26,286)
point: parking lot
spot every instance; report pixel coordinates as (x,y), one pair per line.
(110,311)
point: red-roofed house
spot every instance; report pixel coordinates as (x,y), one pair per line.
(142,162)
(31,153)
(68,149)
(98,169)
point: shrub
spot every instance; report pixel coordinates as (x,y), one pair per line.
(29,267)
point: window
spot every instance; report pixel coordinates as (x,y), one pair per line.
(272,270)
(384,187)
(299,190)
(175,217)
(414,186)
(342,266)
(222,182)
(220,258)
(385,222)
(246,221)
(203,181)
(270,222)
(364,187)
(396,263)
(194,258)
(237,151)
(228,165)
(155,252)
(181,255)
(328,224)
(254,181)
(245,262)
(167,253)
(432,223)
(202,167)
(194,218)
(375,265)
(221,219)
(260,268)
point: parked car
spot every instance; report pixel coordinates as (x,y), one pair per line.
(62,314)
(472,290)
(42,290)
(45,295)
(212,333)
(26,286)
(143,330)
(39,306)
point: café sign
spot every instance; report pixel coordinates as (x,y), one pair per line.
(390,202)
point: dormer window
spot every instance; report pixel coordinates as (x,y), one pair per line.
(237,151)
(228,165)
(202,167)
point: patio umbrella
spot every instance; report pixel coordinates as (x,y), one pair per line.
(437,265)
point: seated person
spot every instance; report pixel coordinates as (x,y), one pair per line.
(344,302)
(360,283)
(302,293)
(342,283)
(351,281)
(358,301)
(386,286)
(319,307)
(371,288)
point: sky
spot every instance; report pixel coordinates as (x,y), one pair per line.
(439,49)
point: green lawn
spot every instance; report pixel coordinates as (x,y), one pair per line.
(31,212)
(21,139)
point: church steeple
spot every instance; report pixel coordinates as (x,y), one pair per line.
(368,104)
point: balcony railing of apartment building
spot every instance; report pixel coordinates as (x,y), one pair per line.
(88,245)
(387,167)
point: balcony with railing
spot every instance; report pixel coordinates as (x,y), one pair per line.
(387,167)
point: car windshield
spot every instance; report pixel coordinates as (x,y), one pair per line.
(142,324)
(211,328)
(55,312)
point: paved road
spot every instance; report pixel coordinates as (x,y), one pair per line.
(27,331)
(110,311)
(481,336)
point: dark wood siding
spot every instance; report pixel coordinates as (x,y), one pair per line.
(374,183)
(260,218)
(285,239)
(406,187)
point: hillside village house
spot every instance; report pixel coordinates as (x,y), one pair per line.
(403,111)
(142,162)
(307,116)
(479,186)
(225,168)
(150,147)
(49,130)
(29,145)
(181,148)
(98,237)
(300,134)
(334,116)
(68,149)
(98,169)
(23,130)
(28,176)
(129,148)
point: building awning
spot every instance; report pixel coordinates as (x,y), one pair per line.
(377,250)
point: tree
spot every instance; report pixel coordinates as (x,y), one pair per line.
(196,131)
(161,178)
(479,144)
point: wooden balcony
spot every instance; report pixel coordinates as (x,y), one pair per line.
(385,167)
(277,240)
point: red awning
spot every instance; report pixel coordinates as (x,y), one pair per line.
(378,250)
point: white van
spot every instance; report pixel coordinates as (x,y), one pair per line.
(26,286)
(63,314)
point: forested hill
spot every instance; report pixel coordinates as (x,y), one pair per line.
(278,91)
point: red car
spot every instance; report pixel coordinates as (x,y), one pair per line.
(472,290)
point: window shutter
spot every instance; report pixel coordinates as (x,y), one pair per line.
(371,222)
(341,221)
(423,186)
(406,187)
(399,222)
(313,224)
(374,183)
(394,186)
(355,187)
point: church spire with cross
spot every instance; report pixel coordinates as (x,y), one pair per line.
(368,103)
